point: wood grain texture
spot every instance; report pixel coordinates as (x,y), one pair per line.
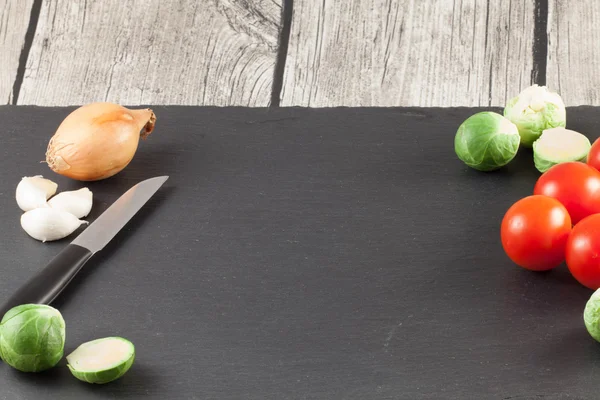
(219,52)
(573,56)
(409,52)
(14,20)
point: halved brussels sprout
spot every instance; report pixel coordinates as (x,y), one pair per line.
(591,315)
(102,360)
(558,145)
(32,337)
(534,110)
(486,141)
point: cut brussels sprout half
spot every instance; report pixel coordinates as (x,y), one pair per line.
(534,110)
(32,337)
(486,141)
(558,145)
(102,360)
(591,315)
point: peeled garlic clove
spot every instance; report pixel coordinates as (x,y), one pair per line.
(33,192)
(76,202)
(48,224)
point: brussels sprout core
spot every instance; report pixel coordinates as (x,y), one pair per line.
(101,360)
(558,145)
(534,110)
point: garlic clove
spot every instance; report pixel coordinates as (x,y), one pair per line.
(48,224)
(76,202)
(33,192)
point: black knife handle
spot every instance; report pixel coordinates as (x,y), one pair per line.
(47,284)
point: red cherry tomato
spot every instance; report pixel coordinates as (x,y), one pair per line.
(534,232)
(583,252)
(593,158)
(575,184)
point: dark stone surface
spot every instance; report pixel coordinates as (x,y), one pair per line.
(306,254)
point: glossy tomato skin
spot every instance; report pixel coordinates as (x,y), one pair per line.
(593,158)
(534,232)
(583,252)
(575,184)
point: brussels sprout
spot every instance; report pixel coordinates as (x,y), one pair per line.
(558,145)
(101,360)
(486,141)
(591,315)
(534,110)
(32,337)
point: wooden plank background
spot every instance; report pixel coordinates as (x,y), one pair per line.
(413,52)
(14,20)
(152,52)
(574,50)
(314,53)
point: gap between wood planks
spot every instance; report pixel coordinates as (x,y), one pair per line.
(33,20)
(540,43)
(282,50)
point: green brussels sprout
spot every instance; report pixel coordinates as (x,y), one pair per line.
(534,110)
(102,360)
(591,315)
(32,337)
(486,141)
(558,145)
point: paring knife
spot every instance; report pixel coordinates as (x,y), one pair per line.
(47,284)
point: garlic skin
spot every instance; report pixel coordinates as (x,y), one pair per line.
(34,191)
(49,224)
(76,202)
(98,140)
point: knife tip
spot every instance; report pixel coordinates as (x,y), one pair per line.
(157,179)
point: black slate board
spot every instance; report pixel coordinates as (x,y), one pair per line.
(306,254)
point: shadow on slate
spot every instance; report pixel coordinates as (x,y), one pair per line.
(306,254)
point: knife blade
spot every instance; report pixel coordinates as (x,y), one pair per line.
(50,281)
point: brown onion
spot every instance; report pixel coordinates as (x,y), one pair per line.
(98,140)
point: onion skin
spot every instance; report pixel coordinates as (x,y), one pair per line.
(98,140)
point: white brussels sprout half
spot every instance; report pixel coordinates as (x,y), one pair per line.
(32,337)
(558,145)
(102,360)
(534,110)
(486,141)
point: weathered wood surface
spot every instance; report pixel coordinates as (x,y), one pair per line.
(340,53)
(410,52)
(14,20)
(219,52)
(573,51)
